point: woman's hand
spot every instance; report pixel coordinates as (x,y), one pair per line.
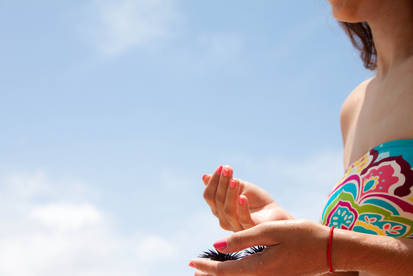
(238,204)
(295,247)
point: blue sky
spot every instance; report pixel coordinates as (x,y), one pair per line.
(111,111)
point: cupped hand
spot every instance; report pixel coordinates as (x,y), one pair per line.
(238,204)
(294,247)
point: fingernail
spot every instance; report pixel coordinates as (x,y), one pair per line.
(225,171)
(204,177)
(241,201)
(233,183)
(219,170)
(222,244)
(191,264)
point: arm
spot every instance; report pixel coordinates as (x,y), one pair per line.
(298,247)
(378,255)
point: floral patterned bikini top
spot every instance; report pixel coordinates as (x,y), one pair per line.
(375,196)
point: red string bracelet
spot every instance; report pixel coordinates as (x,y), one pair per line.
(330,243)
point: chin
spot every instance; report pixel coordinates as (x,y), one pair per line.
(348,10)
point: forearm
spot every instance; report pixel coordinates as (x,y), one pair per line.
(378,255)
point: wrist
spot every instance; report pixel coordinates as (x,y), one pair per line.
(339,250)
(324,256)
(347,250)
(354,251)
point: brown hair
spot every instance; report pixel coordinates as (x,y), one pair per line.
(362,38)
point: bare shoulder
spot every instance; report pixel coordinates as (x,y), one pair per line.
(351,106)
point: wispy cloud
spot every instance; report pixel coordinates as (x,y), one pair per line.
(66,216)
(62,236)
(120,25)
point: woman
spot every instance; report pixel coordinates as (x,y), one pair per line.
(375,197)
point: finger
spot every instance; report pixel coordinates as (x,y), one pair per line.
(268,234)
(243,267)
(220,196)
(244,213)
(231,205)
(210,190)
(199,273)
(206,178)
(226,176)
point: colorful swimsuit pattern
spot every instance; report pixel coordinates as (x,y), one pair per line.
(375,196)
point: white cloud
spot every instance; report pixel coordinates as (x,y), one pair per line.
(66,216)
(124,24)
(60,236)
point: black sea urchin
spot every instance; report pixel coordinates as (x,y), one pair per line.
(254,250)
(221,257)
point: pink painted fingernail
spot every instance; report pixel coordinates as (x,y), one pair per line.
(233,183)
(225,171)
(222,244)
(219,170)
(191,264)
(241,200)
(204,177)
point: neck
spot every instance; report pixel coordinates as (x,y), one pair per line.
(393,36)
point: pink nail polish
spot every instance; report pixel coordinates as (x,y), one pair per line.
(191,264)
(219,170)
(233,183)
(222,244)
(225,171)
(204,177)
(241,201)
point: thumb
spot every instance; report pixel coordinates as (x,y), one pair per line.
(262,234)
